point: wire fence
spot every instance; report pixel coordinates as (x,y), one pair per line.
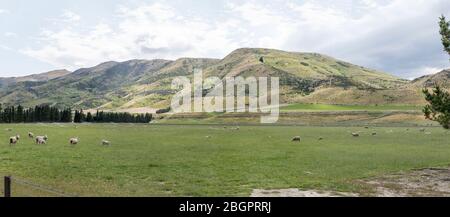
(2,191)
(18,187)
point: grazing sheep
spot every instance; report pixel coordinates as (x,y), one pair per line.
(106,143)
(41,141)
(73,141)
(321,138)
(296,139)
(355,134)
(374,133)
(366,127)
(208,137)
(30,135)
(14,139)
(8,129)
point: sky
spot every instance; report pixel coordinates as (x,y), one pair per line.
(400,37)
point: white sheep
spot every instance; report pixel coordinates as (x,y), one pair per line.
(14,139)
(41,140)
(73,141)
(30,135)
(106,142)
(296,139)
(355,134)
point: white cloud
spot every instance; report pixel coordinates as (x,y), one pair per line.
(3,11)
(6,48)
(399,35)
(151,31)
(10,34)
(70,16)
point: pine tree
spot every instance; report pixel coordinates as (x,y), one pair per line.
(445,33)
(89,117)
(19,114)
(438,108)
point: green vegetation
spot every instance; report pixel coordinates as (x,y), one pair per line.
(111,117)
(444,30)
(162,160)
(438,108)
(324,107)
(42,113)
(147,83)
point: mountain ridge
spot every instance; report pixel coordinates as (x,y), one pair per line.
(34,77)
(304,78)
(441,78)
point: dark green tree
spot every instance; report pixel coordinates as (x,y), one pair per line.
(438,108)
(445,33)
(19,114)
(76,117)
(89,117)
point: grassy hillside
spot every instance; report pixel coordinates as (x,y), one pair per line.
(5,82)
(325,107)
(304,78)
(428,81)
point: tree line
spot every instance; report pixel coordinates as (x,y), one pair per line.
(47,113)
(41,113)
(108,117)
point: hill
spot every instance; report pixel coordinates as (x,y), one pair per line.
(441,78)
(304,78)
(4,82)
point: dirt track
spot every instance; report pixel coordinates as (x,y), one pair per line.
(429,182)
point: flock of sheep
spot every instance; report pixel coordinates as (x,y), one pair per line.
(42,140)
(298,138)
(354,134)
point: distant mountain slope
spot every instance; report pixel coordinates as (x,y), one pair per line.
(304,77)
(84,87)
(441,78)
(302,68)
(36,77)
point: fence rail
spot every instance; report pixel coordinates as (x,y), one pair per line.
(10,181)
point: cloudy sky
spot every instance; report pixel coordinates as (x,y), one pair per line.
(396,36)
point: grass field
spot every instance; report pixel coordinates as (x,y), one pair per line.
(325,107)
(159,160)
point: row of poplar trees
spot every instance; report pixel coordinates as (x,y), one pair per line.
(111,117)
(46,113)
(41,113)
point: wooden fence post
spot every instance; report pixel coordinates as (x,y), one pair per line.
(7,189)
